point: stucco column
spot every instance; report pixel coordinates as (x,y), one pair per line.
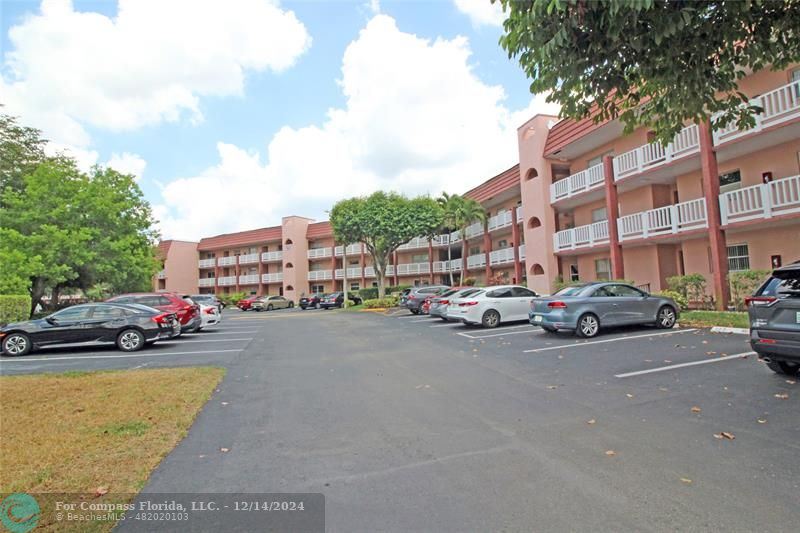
(363,264)
(236,272)
(612,213)
(430,261)
(515,244)
(716,237)
(261,273)
(216,276)
(394,262)
(487,244)
(333,266)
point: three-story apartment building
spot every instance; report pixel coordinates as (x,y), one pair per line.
(591,202)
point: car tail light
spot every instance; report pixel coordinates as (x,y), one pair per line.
(163,318)
(759,300)
(767,341)
(467,304)
(412,297)
(444,302)
(211,311)
(557,305)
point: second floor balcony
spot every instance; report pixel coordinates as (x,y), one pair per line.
(352,249)
(226,281)
(226,261)
(248,259)
(476,261)
(763,201)
(581,237)
(501,257)
(369,272)
(273,277)
(207,263)
(248,279)
(410,269)
(670,219)
(319,275)
(352,273)
(206,282)
(162,274)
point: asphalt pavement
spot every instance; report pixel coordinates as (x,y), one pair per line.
(407,423)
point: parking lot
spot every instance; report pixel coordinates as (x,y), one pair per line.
(475,429)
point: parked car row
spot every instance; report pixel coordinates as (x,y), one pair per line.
(130,321)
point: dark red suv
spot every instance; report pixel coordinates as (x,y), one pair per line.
(246,303)
(187,311)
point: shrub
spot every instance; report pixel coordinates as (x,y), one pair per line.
(232,299)
(682,302)
(559,283)
(744,284)
(469,282)
(371,293)
(379,303)
(14,308)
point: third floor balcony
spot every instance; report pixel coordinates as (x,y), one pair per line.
(780,105)
(319,253)
(270,257)
(654,155)
(591,179)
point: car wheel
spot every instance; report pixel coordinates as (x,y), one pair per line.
(316,305)
(782,367)
(197,329)
(444,318)
(130,340)
(17,344)
(548,329)
(588,326)
(490,319)
(269,307)
(414,311)
(665,318)
(291,304)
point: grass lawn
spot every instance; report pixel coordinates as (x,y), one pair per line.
(92,432)
(714,318)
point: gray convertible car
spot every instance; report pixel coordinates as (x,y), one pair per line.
(587,307)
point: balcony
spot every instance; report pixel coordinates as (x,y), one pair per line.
(248,279)
(653,155)
(779,105)
(274,277)
(499,221)
(226,261)
(205,282)
(581,237)
(162,274)
(318,253)
(476,261)
(521,252)
(352,273)
(587,180)
(762,201)
(441,266)
(319,275)
(226,281)
(271,257)
(352,249)
(671,219)
(416,242)
(501,257)
(248,259)
(410,269)
(474,230)
(206,263)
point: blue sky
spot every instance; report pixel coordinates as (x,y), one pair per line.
(235,118)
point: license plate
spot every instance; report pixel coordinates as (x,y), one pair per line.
(537,318)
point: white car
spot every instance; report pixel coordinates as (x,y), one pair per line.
(209,315)
(492,306)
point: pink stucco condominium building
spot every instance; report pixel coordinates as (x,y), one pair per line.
(590,202)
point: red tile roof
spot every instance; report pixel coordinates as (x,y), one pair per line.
(502,182)
(567,130)
(254,236)
(163,248)
(319,229)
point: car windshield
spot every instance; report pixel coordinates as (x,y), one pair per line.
(573,290)
(788,287)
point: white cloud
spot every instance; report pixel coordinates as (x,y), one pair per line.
(481,12)
(374,6)
(417,120)
(127,163)
(150,63)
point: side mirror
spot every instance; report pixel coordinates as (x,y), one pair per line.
(51,320)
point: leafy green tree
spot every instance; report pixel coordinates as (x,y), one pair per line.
(660,63)
(467,211)
(382,222)
(21,151)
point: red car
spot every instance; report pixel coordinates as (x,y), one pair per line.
(185,309)
(246,303)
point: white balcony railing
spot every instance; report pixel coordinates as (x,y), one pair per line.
(476,261)
(319,275)
(519,214)
(226,261)
(582,236)
(441,266)
(652,155)
(316,253)
(248,279)
(521,252)
(474,229)
(226,281)
(352,273)
(779,105)
(206,263)
(767,200)
(352,249)
(369,272)
(664,220)
(416,242)
(269,257)
(247,259)
(162,274)
(501,257)
(441,240)
(406,269)
(273,277)
(499,221)
(455,265)
(205,282)
(585,180)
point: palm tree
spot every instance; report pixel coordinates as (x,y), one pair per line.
(468,212)
(450,204)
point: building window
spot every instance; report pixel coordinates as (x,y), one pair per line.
(599,214)
(317,289)
(573,273)
(602,269)
(354,286)
(502,244)
(419,258)
(597,160)
(730,181)
(738,258)
(475,250)
(375,284)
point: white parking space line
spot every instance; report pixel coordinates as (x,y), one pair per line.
(182,341)
(448,325)
(616,339)
(420,320)
(405,316)
(526,332)
(682,365)
(488,334)
(110,356)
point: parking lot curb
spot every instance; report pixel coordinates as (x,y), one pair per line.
(724,329)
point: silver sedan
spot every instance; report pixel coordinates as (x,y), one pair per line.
(588,307)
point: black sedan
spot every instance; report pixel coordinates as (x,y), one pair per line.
(129,326)
(336,299)
(312,301)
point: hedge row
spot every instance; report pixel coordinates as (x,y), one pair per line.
(380,303)
(14,308)
(371,293)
